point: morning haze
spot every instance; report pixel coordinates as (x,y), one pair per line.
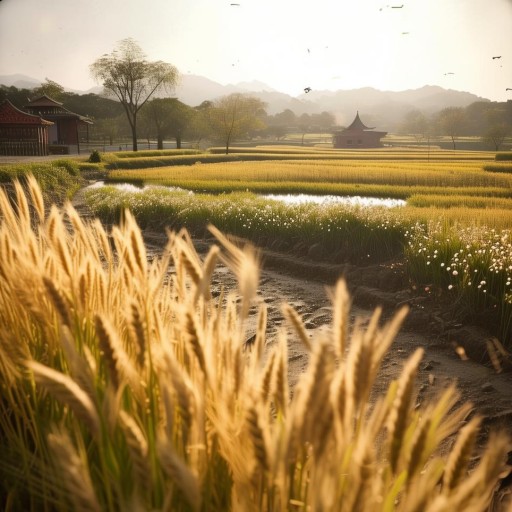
(288,45)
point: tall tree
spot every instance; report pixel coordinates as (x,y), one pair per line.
(51,89)
(497,127)
(234,116)
(452,120)
(128,75)
(168,117)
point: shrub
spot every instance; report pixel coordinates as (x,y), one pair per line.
(95,157)
(122,385)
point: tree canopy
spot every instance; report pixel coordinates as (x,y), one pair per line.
(128,75)
(233,116)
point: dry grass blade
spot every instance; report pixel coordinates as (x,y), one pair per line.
(69,393)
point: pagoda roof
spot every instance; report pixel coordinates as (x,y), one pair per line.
(58,111)
(358,125)
(9,114)
(43,101)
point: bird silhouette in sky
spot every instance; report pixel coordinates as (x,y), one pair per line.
(397,6)
(508,89)
(404,33)
(307,89)
(497,57)
(449,73)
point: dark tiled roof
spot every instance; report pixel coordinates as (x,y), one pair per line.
(9,114)
(358,125)
(43,101)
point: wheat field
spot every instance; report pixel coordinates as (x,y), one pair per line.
(126,386)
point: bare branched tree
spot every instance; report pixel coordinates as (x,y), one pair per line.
(128,75)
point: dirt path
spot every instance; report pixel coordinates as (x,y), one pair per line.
(282,281)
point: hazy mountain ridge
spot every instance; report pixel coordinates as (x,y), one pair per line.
(382,109)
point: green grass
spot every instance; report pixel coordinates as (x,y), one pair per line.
(58,179)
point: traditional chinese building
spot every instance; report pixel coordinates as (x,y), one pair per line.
(357,135)
(21,133)
(67,129)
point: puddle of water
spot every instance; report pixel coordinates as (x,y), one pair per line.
(130,187)
(328,200)
(291,199)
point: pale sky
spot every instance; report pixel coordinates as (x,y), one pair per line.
(287,44)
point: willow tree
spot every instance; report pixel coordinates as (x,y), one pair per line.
(128,75)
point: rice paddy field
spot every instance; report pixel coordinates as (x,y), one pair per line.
(453,233)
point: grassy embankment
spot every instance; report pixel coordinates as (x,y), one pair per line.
(124,389)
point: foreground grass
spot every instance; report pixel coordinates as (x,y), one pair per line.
(58,180)
(125,385)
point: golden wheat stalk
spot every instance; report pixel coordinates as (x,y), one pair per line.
(180,473)
(138,448)
(298,325)
(341,309)
(399,414)
(36,197)
(244,264)
(460,454)
(69,393)
(74,472)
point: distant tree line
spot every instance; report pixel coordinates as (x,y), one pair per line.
(491,121)
(129,109)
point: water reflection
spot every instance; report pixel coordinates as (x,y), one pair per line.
(291,199)
(328,200)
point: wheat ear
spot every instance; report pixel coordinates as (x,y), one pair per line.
(184,478)
(296,322)
(399,414)
(460,454)
(36,197)
(138,447)
(68,392)
(75,474)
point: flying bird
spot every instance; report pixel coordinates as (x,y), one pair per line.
(235,4)
(449,73)
(307,89)
(497,57)
(508,89)
(404,33)
(397,6)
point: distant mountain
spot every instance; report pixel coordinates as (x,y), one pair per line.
(20,81)
(382,109)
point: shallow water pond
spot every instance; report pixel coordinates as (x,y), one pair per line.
(291,199)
